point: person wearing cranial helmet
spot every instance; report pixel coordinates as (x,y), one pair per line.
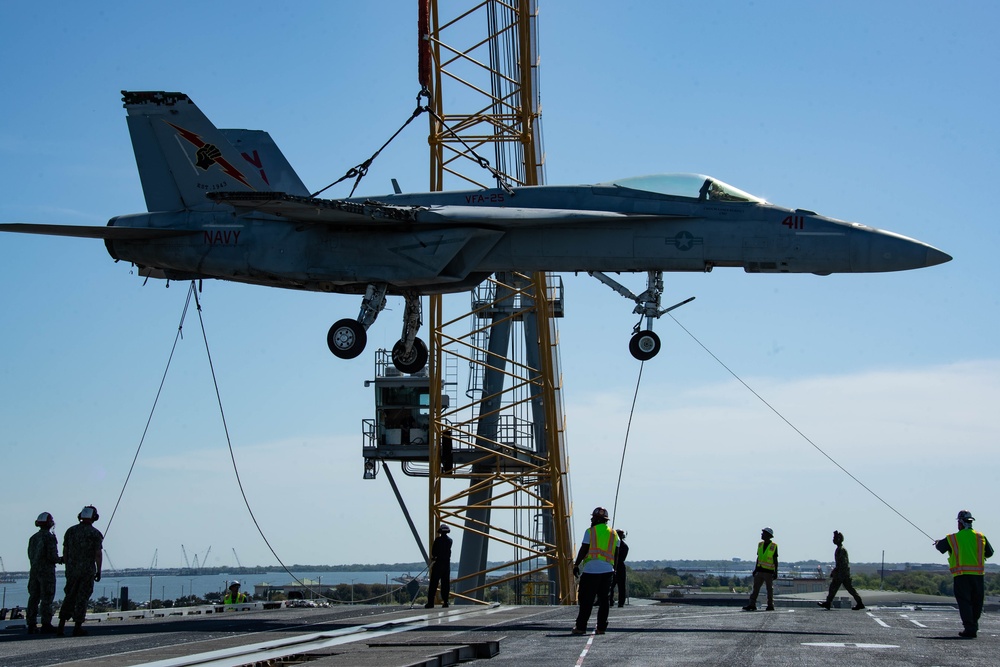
(43,554)
(82,552)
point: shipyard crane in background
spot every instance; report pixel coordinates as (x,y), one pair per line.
(494,452)
(506,441)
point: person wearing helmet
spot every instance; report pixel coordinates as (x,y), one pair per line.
(619,582)
(440,568)
(967,552)
(43,554)
(841,575)
(233,595)
(597,554)
(82,554)
(765,571)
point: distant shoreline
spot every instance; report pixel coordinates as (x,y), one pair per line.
(681,565)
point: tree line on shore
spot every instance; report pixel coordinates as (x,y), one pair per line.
(644,583)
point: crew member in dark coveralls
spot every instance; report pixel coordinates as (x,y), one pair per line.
(82,546)
(620,581)
(43,554)
(841,575)
(967,552)
(440,568)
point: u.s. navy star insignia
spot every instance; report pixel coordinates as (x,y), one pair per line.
(685,240)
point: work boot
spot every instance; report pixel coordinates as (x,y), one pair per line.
(577,631)
(750,607)
(825,605)
(78,630)
(769,607)
(967,634)
(32,629)
(858,607)
(429,605)
(600,631)
(445,604)
(47,629)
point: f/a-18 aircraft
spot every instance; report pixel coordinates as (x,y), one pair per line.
(226,204)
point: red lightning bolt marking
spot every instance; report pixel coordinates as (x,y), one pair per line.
(223,163)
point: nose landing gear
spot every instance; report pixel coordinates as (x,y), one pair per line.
(644,344)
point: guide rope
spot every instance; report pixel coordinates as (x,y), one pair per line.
(177,338)
(819,449)
(628,429)
(796,429)
(192,293)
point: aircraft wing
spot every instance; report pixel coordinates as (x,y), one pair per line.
(344,212)
(101,232)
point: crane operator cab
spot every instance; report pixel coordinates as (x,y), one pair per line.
(402,408)
(401,428)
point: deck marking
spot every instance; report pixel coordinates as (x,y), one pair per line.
(848,645)
(878,620)
(916,623)
(586,648)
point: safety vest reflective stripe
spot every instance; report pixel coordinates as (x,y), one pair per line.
(966,556)
(765,557)
(597,538)
(240,597)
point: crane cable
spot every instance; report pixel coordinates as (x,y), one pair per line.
(359,171)
(628,429)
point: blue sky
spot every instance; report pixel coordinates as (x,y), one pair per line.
(883,114)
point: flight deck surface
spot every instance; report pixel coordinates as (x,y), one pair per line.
(639,634)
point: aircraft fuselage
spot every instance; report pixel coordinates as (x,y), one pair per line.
(638,231)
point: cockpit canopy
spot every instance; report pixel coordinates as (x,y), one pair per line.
(695,186)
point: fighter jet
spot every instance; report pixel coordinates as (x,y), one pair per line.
(226,204)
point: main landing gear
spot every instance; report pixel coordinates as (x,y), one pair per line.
(347,338)
(644,344)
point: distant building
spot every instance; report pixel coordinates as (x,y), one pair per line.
(307,590)
(787,585)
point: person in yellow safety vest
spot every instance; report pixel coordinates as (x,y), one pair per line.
(234,596)
(597,554)
(967,552)
(765,571)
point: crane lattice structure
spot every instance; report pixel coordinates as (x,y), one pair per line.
(479,64)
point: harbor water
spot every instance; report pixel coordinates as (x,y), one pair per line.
(166,587)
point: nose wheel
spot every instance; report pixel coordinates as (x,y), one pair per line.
(644,345)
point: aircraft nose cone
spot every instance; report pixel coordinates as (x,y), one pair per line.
(935,257)
(874,250)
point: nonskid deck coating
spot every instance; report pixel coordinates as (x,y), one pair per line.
(650,634)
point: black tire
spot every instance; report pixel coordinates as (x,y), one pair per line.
(644,345)
(347,338)
(412,363)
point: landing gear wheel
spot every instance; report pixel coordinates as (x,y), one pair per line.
(644,345)
(347,338)
(412,362)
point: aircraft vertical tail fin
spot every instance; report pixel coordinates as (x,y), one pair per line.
(258,148)
(181,155)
